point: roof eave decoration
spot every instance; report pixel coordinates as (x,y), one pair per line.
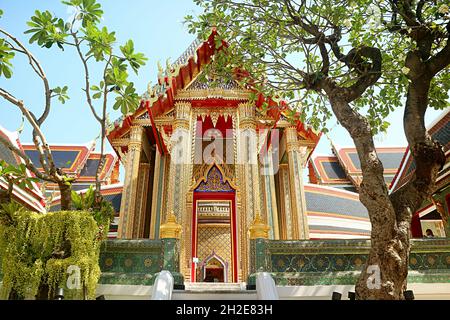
(32,197)
(401,176)
(160,98)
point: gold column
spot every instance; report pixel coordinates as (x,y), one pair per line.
(141,201)
(158,181)
(247,156)
(180,158)
(297,157)
(285,201)
(180,173)
(270,196)
(129,194)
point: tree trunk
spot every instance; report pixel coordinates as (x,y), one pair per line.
(43,291)
(384,275)
(66,196)
(386,271)
(101,162)
(98,185)
(14,295)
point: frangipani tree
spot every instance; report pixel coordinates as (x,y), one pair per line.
(357,60)
(9,47)
(94,44)
(83,33)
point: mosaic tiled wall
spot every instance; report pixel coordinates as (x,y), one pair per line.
(340,261)
(138,261)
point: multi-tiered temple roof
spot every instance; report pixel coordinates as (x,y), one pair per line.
(33,198)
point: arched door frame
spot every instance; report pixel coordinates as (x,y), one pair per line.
(213,255)
(215,195)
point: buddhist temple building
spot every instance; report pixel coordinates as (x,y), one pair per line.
(209,159)
(32,199)
(218,188)
(435,211)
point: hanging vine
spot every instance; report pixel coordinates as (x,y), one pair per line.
(41,253)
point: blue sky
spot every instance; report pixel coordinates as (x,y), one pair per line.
(155,27)
(157,30)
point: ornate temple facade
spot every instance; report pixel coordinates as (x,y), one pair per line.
(208,159)
(216,188)
(206,165)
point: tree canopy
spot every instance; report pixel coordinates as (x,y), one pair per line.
(286,46)
(93,43)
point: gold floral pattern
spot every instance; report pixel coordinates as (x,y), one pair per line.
(148,262)
(128,263)
(108,262)
(214,182)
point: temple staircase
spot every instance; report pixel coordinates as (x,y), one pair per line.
(214,291)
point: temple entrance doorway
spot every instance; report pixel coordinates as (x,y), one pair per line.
(214,230)
(214,270)
(214,275)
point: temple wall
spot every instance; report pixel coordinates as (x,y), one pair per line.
(339,262)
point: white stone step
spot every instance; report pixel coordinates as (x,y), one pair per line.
(214,287)
(214,291)
(193,295)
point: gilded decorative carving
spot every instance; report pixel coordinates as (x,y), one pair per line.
(246,110)
(182,110)
(259,229)
(129,194)
(198,94)
(120,142)
(142,122)
(297,157)
(171,229)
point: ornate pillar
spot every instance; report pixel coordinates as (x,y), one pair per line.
(141,200)
(129,195)
(297,157)
(180,173)
(247,162)
(285,203)
(270,196)
(180,158)
(157,197)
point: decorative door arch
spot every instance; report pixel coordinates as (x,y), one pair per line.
(214,263)
(214,222)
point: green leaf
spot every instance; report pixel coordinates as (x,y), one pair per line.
(47,30)
(97,95)
(6,57)
(117,104)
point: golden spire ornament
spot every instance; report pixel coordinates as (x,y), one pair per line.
(259,229)
(171,229)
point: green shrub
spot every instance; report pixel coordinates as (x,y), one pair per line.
(37,249)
